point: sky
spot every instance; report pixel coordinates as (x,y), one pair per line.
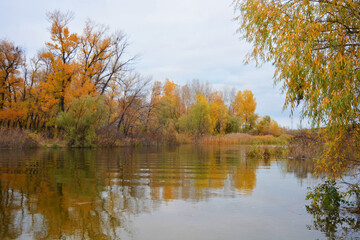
(179,40)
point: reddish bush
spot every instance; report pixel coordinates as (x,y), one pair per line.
(16,138)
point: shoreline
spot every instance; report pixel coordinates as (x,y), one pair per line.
(23,139)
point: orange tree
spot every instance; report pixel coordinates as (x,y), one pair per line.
(11,82)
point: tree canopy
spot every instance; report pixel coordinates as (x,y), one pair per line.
(314,47)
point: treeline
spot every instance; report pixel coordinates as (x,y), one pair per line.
(82,87)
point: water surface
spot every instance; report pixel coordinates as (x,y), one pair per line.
(183,192)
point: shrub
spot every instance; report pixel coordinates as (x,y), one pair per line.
(233,125)
(255,152)
(305,144)
(16,138)
(80,122)
(266,152)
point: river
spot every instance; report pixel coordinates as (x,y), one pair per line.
(185,192)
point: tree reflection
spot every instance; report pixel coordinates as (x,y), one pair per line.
(329,213)
(302,169)
(339,226)
(95,194)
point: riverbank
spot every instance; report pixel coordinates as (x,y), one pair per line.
(17,138)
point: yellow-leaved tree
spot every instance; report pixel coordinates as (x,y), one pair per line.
(201,121)
(219,113)
(315,48)
(244,106)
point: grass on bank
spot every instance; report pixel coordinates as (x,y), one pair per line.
(245,139)
(264,152)
(18,138)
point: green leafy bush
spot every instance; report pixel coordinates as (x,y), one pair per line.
(80,122)
(325,198)
(233,125)
(330,211)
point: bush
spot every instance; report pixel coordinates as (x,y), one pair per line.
(305,144)
(80,122)
(233,125)
(16,138)
(255,152)
(266,152)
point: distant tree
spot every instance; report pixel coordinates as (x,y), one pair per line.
(219,112)
(151,123)
(130,101)
(200,120)
(244,106)
(102,57)
(170,103)
(263,124)
(185,95)
(232,125)
(266,125)
(198,87)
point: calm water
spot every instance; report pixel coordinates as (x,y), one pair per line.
(174,193)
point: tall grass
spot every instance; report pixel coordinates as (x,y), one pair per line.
(245,139)
(262,152)
(17,138)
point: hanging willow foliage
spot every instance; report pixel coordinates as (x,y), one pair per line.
(314,47)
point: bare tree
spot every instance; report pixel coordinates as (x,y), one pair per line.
(103,56)
(133,91)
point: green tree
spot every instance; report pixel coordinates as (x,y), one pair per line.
(200,116)
(233,125)
(85,115)
(262,126)
(314,47)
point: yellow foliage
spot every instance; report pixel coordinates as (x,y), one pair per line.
(313,46)
(244,106)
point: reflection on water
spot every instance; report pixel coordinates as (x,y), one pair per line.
(339,224)
(302,169)
(124,193)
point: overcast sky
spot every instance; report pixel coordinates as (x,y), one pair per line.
(179,40)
